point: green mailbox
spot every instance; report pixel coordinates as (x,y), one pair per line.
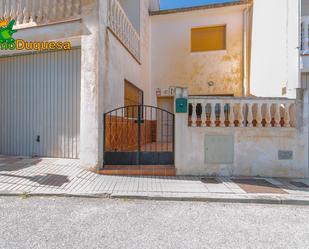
(181,105)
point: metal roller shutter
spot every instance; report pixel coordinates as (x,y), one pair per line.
(40,104)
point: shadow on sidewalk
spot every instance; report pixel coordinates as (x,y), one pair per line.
(46,180)
(12,164)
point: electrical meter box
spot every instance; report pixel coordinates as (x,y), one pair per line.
(181,105)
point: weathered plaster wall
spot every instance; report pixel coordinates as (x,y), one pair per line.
(121,65)
(275,42)
(174,65)
(92,81)
(255,151)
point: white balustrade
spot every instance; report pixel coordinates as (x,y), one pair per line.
(231,116)
(241,121)
(122,27)
(38,12)
(194,116)
(243,112)
(204,117)
(250,115)
(213,117)
(222,114)
(259,117)
(287,119)
(277,115)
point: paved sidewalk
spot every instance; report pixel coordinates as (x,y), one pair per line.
(65,177)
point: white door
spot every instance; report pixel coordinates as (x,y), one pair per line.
(40,104)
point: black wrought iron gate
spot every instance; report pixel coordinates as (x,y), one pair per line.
(139,135)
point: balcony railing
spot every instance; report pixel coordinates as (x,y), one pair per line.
(121,26)
(36,12)
(242,112)
(305,34)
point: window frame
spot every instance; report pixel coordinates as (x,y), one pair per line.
(133,86)
(209,50)
(141,92)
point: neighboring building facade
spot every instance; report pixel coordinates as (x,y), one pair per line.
(128,52)
(275,48)
(214,68)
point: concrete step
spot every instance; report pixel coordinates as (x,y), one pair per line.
(139,170)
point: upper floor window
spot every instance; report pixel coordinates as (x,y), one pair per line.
(208,38)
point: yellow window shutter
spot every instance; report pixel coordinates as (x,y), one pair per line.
(208,38)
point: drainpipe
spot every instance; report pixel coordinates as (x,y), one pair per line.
(246,50)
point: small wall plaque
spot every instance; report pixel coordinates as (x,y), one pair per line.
(285,155)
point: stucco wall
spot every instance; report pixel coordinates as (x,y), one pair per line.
(255,151)
(275,42)
(174,65)
(121,65)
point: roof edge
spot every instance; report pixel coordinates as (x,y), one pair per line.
(202,7)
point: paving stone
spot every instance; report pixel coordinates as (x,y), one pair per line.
(57,176)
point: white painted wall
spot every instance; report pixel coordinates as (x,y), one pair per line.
(255,151)
(275,42)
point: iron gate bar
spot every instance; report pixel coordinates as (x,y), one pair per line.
(121,129)
(167,130)
(136,149)
(138,132)
(145,124)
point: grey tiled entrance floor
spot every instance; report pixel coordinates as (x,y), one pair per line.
(65,176)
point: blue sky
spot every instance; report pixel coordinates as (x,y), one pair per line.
(172,4)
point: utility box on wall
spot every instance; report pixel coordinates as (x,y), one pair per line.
(219,149)
(181,100)
(181,105)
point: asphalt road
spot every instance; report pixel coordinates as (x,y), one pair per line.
(102,223)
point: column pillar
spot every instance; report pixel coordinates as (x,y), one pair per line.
(92,66)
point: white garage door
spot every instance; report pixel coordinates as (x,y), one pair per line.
(40,104)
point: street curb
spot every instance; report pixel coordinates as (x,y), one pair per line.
(244,200)
(224,199)
(65,195)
